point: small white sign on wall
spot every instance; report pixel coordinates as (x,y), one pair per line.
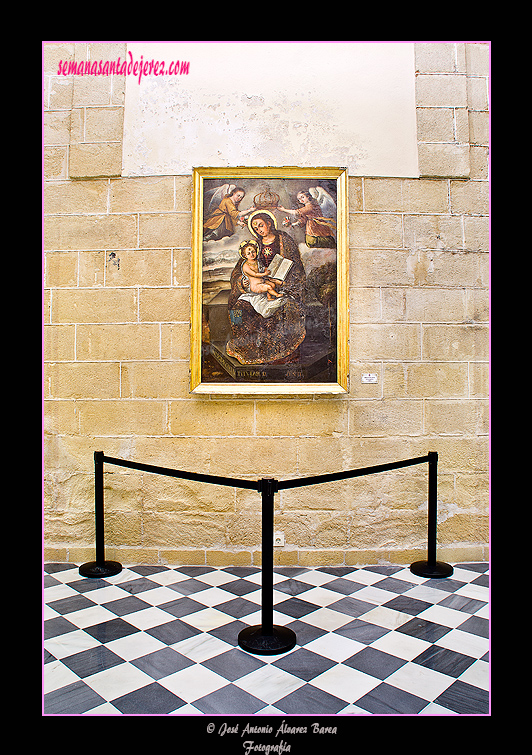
(348,104)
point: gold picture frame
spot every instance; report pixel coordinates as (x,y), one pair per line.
(251,332)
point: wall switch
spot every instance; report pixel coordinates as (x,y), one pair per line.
(278,539)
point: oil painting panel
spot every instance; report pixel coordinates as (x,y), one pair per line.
(270,279)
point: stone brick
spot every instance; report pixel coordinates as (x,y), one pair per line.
(56,127)
(164,305)
(100,159)
(61,269)
(94,305)
(426,379)
(104,124)
(85,232)
(149,194)
(441,89)
(128,417)
(438,160)
(82,380)
(374,231)
(309,418)
(164,230)
(75,197)
(439,57)
(208,418)
(455,342)
(154,379)
(388,342)
(117,342)
(381,418)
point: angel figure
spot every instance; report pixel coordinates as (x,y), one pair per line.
(317,214)
(222,214)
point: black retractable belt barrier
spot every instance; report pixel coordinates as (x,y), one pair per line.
(267,638)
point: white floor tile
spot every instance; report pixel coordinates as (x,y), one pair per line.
(401,645)
(464,642)
(374,595)
(447,617)
(345,682)
(321,596)
(201,647)
(335,647)
(208,619)
(270,683)
(193,682)
(420,681)
(386,617)
(158,596)
(478,674)
(110,684)
(57,675)
(148,618)
(70,643)
(326,618)
(135,646)
(88,617)
(433,709)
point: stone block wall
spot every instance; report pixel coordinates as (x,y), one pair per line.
(116,295)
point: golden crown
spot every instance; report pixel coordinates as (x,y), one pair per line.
(266,200)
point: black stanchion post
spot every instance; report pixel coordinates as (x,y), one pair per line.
(431,568)
(266,638)
(100,567)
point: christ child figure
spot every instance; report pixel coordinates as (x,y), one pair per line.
(255,273)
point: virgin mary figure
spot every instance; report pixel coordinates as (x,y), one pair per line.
(262,331)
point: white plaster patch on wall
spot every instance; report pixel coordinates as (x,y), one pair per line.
(347,104)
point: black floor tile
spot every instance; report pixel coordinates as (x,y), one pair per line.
(304,664)
(150,700)
(92,661)
(123,606)
(374,662)
(444,661)
(386,699)
(73,699)
(352,606)
(464,698)
(70,604)
(476,625)
(296,607)
(162,663)
(229,700)
(172,632)
(293,586)
(305,633)
(411,606)
(238,607)
(361,631)
(308,699)
(233,664)
(345,586)
(107,631)
(57,626)
(423,630)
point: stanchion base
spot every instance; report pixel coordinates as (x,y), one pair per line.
(100,570)
(436,570)
(254,641)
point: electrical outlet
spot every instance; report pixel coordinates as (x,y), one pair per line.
(278,539)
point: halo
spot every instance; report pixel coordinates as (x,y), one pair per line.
(246,243)
(256,212)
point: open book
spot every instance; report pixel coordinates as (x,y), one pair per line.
(279,267)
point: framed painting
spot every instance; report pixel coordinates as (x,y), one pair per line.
(269,281)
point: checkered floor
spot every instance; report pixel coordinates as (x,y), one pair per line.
(155,640)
